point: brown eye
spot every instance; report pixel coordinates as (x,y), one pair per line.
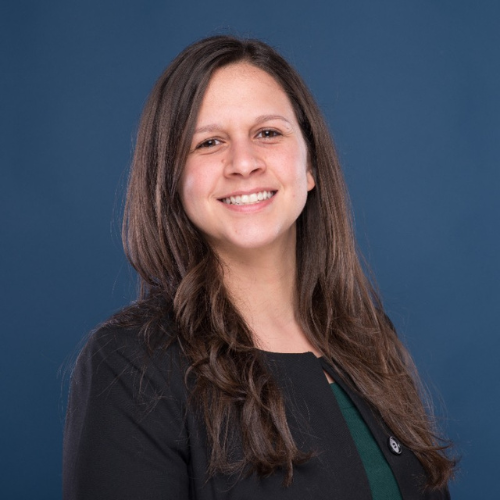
(209,143)
(268,134)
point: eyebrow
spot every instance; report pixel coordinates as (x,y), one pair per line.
(214,127)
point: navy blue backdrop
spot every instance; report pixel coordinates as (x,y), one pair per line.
(411,92)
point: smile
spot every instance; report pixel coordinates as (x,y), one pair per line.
(248,199)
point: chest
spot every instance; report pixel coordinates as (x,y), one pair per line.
(335,470)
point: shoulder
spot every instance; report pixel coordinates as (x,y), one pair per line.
(119,355)
(126,402)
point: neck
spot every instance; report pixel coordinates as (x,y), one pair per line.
(262,285)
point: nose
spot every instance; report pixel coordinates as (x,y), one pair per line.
(243,159)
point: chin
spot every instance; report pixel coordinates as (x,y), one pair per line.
(253,243)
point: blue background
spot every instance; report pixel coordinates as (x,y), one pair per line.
(411,92)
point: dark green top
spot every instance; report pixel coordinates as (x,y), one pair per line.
(380,477)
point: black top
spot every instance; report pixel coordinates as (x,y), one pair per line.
(129,437)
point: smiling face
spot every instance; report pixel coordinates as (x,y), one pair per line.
(246,178)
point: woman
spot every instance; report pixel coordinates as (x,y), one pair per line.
(258,361)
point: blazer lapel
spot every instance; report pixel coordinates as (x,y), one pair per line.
(400,459)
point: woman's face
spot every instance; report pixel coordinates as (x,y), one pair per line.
(246,177)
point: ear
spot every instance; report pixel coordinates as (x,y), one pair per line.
(310,179)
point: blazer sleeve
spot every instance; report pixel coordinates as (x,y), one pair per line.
(125,436)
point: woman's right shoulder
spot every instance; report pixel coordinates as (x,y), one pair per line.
(133,349)
(126,414)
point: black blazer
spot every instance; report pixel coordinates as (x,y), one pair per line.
(129,437)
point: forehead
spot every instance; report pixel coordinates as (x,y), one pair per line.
(236,72)
(242,86)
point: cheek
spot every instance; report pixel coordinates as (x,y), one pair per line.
(195,190)
(301,171)
(198,178)
(191,183)
(187,191)
(186,188)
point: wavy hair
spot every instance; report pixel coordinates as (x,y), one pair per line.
(180,275)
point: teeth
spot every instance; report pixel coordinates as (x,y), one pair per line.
(248,199)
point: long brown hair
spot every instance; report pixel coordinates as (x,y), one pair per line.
(338,309)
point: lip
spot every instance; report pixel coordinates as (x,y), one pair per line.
(248,192)
(252,207)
